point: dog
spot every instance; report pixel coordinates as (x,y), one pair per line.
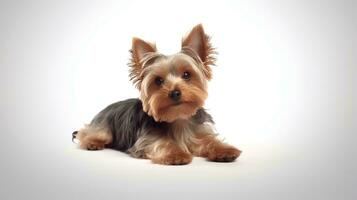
(168,123)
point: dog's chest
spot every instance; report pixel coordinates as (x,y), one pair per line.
(183,133)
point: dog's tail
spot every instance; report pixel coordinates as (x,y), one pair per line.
(74,136)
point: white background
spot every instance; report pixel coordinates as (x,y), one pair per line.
(283,91)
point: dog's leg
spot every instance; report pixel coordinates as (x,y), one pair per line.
(213,149)
(91,138)
(165,151)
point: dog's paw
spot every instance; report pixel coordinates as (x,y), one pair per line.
(176,158)
(95,147)
(223,154)
(92,146)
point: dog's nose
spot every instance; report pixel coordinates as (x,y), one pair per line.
(175,95)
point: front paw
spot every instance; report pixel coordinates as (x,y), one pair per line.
(174,158)
(223,154)
(95,147)
(92,146)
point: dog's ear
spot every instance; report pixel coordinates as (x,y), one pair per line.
(140,49)
(198,42)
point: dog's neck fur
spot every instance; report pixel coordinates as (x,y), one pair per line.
(182,131)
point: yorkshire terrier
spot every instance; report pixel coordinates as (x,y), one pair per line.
(168,123)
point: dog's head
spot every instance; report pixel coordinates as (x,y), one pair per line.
(173,86)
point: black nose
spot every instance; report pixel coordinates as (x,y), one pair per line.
(175,95)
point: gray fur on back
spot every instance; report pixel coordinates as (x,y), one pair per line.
(127,121)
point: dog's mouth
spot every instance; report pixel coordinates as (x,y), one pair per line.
(176,110)
(169,110)
(180,103)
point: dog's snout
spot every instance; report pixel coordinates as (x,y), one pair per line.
(175,95)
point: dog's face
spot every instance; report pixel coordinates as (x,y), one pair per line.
(173,87)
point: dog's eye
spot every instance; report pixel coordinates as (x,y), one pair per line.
(186,75)
(159,81)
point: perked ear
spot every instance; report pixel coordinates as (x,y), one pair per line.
(140,49)
(198,42)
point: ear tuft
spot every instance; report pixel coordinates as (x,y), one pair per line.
(139,51)
(198,42)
